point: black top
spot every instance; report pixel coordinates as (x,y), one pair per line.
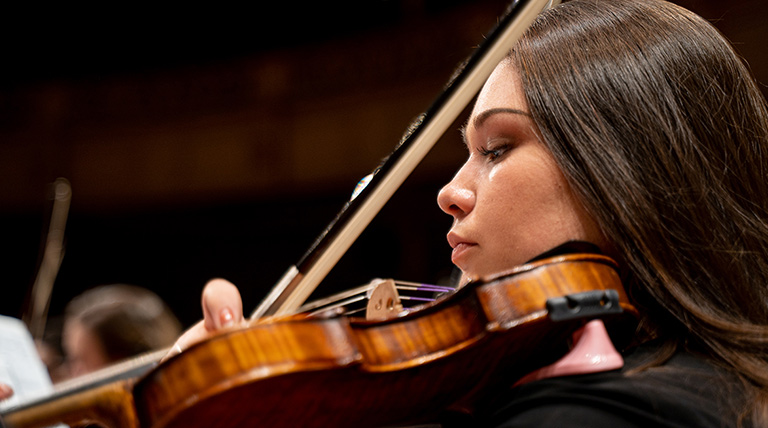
(686,391)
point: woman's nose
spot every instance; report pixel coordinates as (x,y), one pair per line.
(455,199)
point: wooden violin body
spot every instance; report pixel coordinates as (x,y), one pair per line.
(340,371)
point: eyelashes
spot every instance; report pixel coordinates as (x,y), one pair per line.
(495,153)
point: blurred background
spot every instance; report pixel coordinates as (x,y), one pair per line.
(220,141)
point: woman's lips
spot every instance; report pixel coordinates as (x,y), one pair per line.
(459,251)
(460,248)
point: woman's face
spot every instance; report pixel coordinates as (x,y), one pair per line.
(510,201)
(85,352)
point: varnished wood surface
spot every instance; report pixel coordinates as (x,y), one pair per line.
(340,371)
(110,405)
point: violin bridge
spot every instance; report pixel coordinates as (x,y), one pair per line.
(383,300)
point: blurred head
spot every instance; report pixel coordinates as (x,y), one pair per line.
(110,323)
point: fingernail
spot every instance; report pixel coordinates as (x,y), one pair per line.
(226,318)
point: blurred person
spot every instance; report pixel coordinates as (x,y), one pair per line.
(114,322)
(50,351)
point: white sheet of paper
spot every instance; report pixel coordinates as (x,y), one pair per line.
(20,365)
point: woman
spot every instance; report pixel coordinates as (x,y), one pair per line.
(633,125)
(110,323)
(660,134)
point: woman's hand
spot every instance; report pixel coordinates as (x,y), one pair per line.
(222,308)
(5,391)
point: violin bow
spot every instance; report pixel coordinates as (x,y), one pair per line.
(301,279)
(52,255)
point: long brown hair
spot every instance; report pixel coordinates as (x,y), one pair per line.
(662,132)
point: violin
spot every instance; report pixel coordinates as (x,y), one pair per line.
(327,369)
(321,371)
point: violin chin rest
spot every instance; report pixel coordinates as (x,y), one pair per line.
(592,352)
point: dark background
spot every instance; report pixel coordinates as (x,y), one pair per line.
(219,142)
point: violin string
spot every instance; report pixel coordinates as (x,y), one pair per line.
(421,286)
(358,294)
(423,289)
(421,299)
(339,304)
(354,311)
(335,298)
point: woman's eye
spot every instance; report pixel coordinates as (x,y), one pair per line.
(493,154)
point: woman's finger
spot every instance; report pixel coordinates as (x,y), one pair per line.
(222,308)
(222,305)
(5,391)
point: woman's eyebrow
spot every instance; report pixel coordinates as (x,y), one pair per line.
(484,115)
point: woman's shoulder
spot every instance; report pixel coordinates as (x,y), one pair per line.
(685,391)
